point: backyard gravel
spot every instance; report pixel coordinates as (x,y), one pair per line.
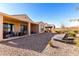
(37,45)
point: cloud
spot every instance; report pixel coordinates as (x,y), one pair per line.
(73,24)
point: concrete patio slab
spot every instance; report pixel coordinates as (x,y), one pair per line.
(34,42)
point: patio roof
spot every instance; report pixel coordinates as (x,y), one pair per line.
(9,16)
(23,17)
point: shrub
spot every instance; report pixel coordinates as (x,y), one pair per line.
(58,31)
(71,33)
(76,31)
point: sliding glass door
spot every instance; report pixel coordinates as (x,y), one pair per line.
(23,29)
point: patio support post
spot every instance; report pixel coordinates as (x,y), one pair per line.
(39,29)
(29,28)
(1,27)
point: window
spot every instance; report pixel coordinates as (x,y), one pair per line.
(23,28)
(8,27)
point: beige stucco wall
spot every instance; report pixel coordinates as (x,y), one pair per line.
(1,27)
(35,28)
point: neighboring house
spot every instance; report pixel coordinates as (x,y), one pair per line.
(49,27)
(45,27)
(41,27)
(16,25)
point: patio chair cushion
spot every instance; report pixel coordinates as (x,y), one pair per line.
(59,36)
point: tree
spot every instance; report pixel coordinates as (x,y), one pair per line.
(62,26)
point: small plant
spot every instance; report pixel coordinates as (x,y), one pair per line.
(58,31)
(50,43)
(71,33)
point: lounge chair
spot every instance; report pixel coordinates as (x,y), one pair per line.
(63,38)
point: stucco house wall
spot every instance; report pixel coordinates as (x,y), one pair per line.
(1,27)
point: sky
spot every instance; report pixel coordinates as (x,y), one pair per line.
(52,13)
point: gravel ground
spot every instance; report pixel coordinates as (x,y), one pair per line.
(37,45)
(61,49)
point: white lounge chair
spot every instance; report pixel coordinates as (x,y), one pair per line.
(63,38)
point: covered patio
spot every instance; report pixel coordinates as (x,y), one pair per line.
(12,27)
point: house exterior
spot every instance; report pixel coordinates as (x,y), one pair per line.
(17,25)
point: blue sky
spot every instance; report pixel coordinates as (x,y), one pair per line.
(52,13)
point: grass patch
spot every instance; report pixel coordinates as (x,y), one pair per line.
(77,41)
